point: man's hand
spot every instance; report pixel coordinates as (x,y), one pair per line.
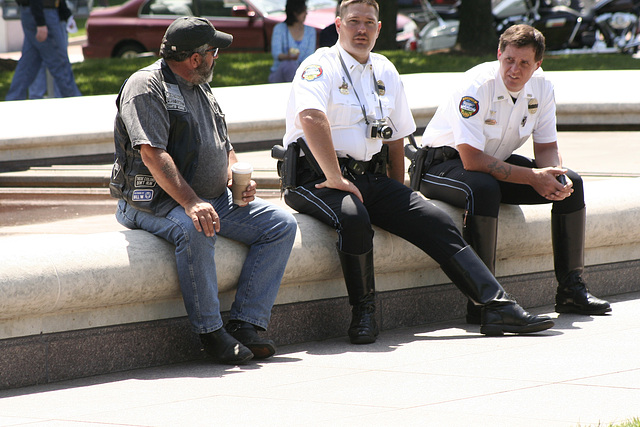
(317,131)
(42,33)
(545,182)
(341,184)
(249,195)
(204,217)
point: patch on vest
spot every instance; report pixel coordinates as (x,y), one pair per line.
(142,195)
(175,101)
(469,107)
(144,181)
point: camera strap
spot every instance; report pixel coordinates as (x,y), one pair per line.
(375,85)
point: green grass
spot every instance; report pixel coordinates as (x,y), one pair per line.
(408,63)
(634,422)
(105,76)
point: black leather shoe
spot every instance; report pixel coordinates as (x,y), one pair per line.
(575,298)
(224,348)
(363,328)
(510,317)
(247,334)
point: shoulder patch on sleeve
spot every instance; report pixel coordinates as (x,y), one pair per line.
(469,107)
(311,72)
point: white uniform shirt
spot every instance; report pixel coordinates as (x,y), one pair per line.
(322,84)
(483,115)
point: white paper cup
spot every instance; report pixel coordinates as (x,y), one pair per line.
(240,179)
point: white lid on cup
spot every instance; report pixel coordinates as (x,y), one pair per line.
(242,167)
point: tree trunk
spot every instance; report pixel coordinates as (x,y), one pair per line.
(388,14)
(477,34)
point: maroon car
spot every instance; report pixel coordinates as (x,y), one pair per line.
(138,25)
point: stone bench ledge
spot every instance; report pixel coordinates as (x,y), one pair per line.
(53,283)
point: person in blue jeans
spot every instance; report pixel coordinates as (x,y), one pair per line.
(172,171)
(43,41)
(38,88)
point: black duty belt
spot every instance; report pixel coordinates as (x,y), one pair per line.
(442,154)
(377,164)
(355,166)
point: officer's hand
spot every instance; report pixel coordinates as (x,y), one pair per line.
(341,184)
(42,32)
(548,186)
(204,217)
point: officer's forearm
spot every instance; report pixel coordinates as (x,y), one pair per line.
(547,155)
(477,161)
(317,134)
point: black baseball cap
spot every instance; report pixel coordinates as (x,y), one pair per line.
(190,32)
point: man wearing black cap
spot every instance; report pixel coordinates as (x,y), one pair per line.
(172,173)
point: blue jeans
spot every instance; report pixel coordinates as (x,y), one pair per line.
(49,52)
(269,232)
(38,88)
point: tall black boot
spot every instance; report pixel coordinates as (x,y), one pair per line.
(359,278)
(481,232)
(568,237)
(500,313)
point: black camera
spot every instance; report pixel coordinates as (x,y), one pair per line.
(379,129)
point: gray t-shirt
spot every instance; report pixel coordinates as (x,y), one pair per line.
(145,115)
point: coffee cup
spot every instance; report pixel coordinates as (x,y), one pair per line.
(240,179)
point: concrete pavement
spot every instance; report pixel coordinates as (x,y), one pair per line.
(584,372)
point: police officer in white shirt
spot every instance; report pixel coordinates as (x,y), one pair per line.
(470,161)
(349,105)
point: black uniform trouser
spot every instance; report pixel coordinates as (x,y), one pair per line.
(388,204)
(481,194)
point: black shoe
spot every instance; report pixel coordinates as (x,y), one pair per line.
(575,298)
(247,334)
(363,328)
(500,318)
(224,348)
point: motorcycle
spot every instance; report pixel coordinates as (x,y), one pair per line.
(576,26)
(435,32)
